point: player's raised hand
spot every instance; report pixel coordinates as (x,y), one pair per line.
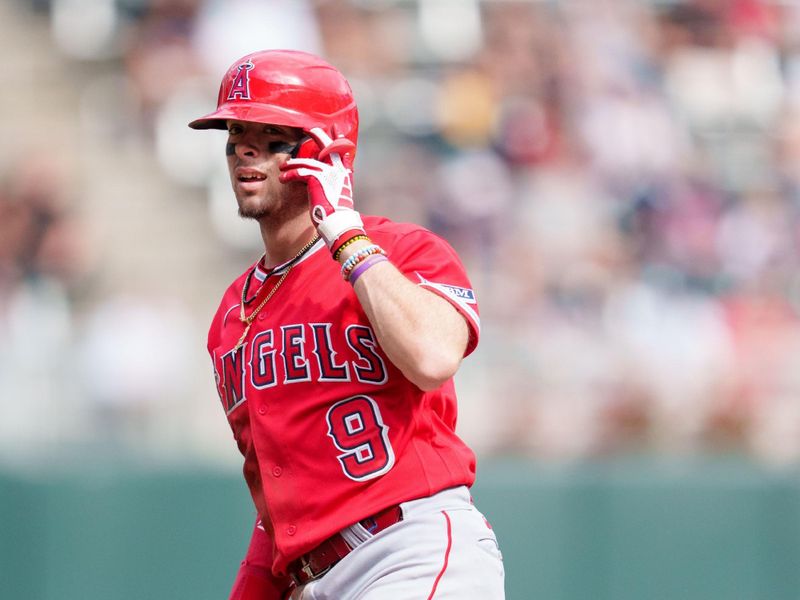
(330,188)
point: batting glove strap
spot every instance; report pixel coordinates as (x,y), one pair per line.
(337,223)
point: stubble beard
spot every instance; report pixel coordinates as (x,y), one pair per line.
(253,212)
(287,208)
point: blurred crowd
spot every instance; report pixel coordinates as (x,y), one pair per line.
(621,178)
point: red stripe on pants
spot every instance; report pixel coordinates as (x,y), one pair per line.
(446,555)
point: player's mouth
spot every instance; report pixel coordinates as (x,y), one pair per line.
(249,178)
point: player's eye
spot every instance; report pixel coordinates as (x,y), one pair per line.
(235,129)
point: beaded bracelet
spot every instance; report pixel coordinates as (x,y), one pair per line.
(338,252)
(346,235)
(356,258)
(365,264)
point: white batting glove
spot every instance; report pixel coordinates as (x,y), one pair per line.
(330,188)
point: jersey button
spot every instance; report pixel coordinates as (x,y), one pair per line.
(262,410)
(262,316)
(291,530)
(277,471)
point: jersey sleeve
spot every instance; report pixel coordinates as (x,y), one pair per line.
(255,580)
(429,261)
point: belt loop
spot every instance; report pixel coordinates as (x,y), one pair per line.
(355,535)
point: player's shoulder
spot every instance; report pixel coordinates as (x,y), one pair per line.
(384,230)
(385,225)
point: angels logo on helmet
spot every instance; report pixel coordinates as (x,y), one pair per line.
(240,88)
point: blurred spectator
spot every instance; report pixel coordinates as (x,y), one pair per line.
(132,364)
(225,30)
(43,262)
(160,57)
(622,177)
(39,236)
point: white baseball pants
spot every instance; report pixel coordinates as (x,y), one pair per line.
(443,549)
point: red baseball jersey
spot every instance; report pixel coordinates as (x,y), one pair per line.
(330,430)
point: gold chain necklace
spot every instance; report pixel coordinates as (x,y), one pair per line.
(248,320)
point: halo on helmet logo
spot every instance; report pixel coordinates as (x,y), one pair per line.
(240,88)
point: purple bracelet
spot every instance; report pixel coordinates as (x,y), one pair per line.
(364,265)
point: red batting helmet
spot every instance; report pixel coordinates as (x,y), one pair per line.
(285,87)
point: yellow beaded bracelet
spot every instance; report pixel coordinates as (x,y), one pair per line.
(352,240)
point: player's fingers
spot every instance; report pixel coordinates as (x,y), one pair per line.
(292,175)
(329,145)
(320,136)
(298,173)
(309,163)
(338,147)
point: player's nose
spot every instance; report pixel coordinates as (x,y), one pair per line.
(246,148)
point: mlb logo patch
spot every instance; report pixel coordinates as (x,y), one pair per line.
(460,294)
(463,294)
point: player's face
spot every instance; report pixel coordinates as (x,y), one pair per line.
(254,152)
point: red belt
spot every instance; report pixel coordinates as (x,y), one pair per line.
(321,559)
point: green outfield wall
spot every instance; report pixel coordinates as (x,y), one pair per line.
(629,530)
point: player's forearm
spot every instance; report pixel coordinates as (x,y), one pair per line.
(421,333)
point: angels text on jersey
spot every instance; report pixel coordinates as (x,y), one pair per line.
(295,353)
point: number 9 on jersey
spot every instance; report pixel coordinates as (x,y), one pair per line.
(358,432)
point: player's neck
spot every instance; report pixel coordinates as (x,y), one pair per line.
(283,243)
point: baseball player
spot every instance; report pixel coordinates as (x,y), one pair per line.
(334,357)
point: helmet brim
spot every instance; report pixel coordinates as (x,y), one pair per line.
(257,113)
